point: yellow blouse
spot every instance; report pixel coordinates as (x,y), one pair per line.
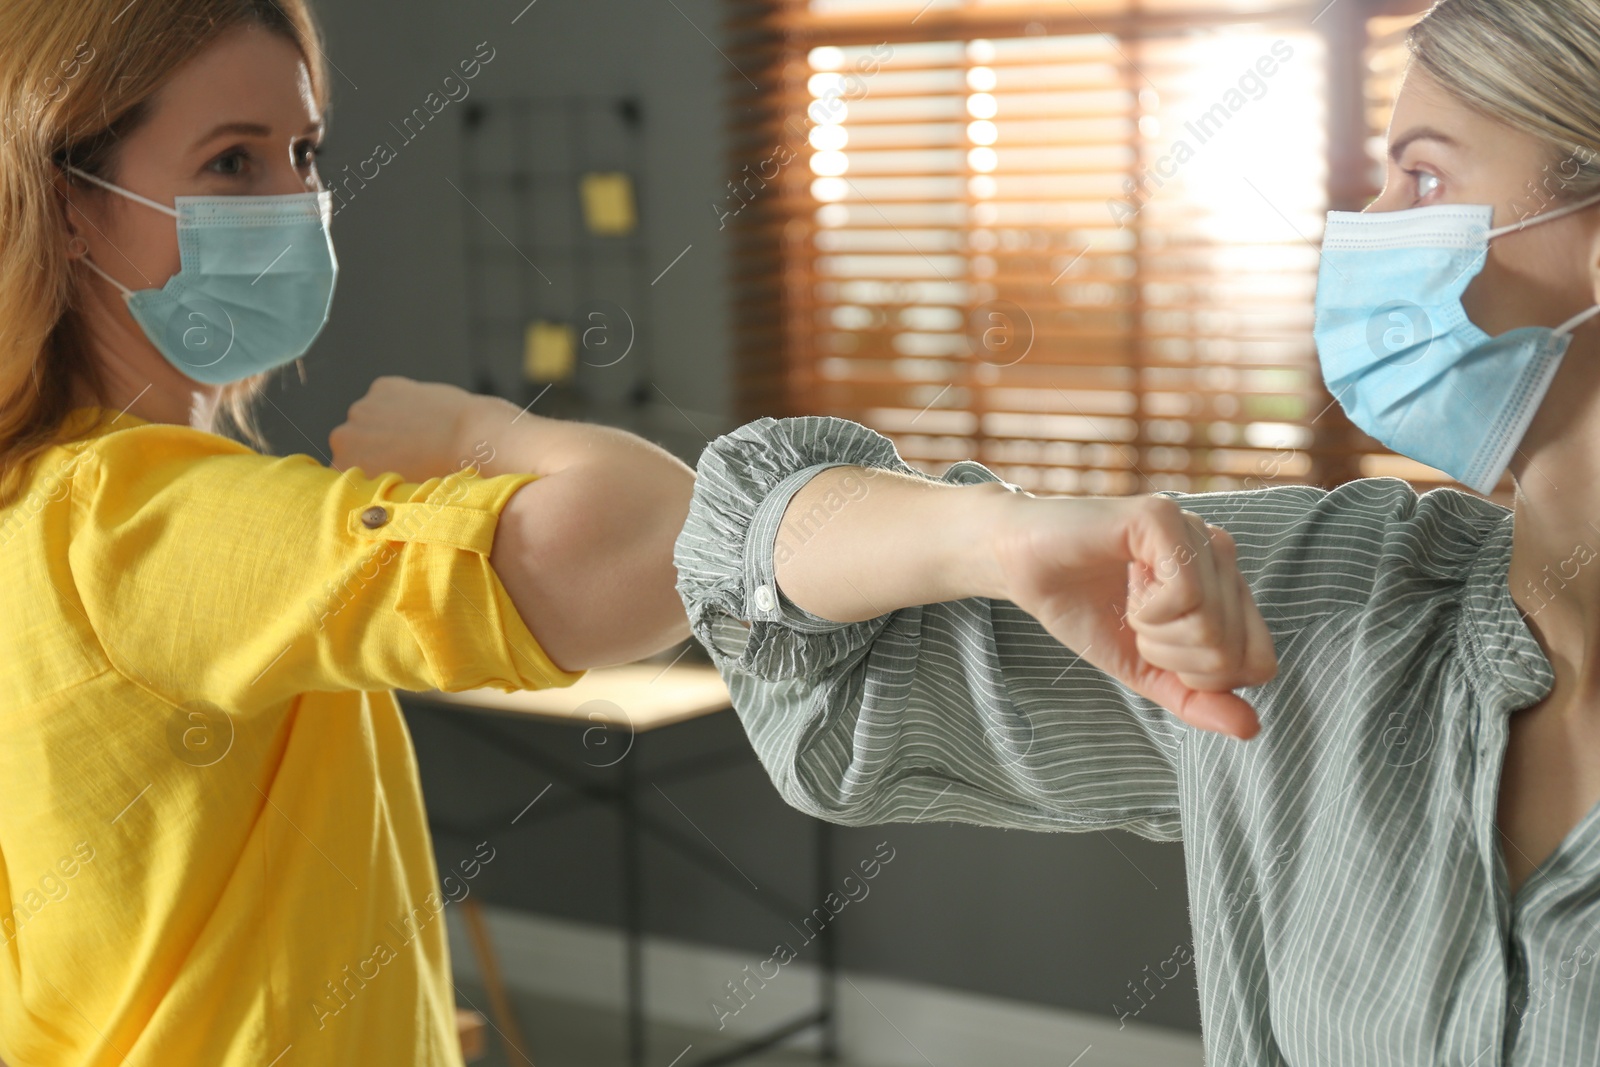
(211,827)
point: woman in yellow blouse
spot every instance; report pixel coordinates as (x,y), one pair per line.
(212,835)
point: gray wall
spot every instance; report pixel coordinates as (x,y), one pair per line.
(1061,920)
(401,306)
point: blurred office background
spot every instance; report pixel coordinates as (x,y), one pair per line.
(1073,240)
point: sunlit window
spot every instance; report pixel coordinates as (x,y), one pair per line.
(1078,243)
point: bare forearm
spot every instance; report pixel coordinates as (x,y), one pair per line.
(585,552)
(856,544)
(502,438)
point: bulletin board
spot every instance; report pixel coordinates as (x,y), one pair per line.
(550,194)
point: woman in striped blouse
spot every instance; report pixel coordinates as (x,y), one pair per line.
(1368,714)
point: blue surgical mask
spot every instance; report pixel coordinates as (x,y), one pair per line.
(254,286)
(1399,353)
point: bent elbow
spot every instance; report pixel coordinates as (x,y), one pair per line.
(594,562)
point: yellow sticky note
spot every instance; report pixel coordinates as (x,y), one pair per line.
(608,203)
(548,352)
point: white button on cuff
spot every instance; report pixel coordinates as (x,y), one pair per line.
(765,600)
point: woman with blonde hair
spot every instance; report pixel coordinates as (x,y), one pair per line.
(211,827)
(1392,829)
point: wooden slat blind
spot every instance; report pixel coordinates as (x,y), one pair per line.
(1075,241)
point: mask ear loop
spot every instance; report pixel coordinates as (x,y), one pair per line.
(1576,321)
(126,292)
(119,190)
(1548,216)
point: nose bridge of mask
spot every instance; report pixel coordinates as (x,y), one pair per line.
(1462,227)
(1449,243)
(283,234)
(1374,259)
(1453,228)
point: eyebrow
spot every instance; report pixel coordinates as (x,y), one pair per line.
(247,129)
(1425,133)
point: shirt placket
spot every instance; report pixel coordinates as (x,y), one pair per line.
(1493,729)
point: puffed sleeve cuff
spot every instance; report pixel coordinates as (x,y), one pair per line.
(727,552)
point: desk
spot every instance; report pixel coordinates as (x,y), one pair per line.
(616,707)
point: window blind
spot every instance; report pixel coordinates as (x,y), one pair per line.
(1074,241)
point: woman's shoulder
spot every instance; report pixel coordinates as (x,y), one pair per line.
(104,471)
(1364,510)
(1347,544)
(91,443)
(107,449)
(104,433)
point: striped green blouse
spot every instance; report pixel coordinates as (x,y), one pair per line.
(1347,889)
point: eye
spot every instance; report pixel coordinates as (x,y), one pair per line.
(306,154)
(230,163)
(1426,183)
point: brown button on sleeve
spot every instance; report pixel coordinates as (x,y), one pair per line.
(455,517)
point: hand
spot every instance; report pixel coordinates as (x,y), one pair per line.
(1149,593)
(408,427)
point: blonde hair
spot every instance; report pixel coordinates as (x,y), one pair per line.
(77,76)
(1531,64)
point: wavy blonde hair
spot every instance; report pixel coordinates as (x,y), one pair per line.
(1531,64)
(76,77)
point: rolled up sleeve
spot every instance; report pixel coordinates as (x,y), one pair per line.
(966,711)
(727,554)
(209,572)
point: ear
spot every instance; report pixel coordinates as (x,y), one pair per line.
(72,221)
(1594,264)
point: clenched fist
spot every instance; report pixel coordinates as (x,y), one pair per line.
(1149,593)
(415,429)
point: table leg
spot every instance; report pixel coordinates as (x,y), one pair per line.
(489,969)
(633,909)
(829,980)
